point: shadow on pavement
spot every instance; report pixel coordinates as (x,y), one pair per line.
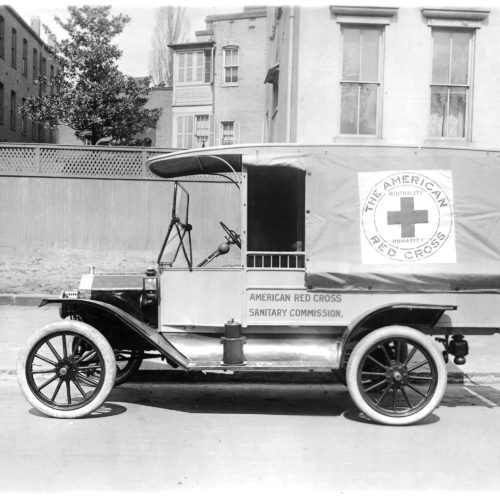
(270,399)
(106,410)
(255,394)
(357,416)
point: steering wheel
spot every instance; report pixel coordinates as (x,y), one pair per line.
(233,235)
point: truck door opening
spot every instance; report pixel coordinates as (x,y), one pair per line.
(276,217)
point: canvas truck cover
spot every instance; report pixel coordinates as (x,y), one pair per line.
(403,220)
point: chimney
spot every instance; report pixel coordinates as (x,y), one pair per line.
(35,24)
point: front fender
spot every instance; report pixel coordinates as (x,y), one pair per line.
(118,318)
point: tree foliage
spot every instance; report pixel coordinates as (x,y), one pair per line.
(93,97)
(171,27)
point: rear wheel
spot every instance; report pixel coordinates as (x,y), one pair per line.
(396,375)
(127,364)
(57,379)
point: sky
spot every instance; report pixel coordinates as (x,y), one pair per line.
(135,40)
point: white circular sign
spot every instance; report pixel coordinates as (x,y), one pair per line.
(407,216)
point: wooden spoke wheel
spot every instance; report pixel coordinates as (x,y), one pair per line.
(396,375)
(128,363)
(59,378)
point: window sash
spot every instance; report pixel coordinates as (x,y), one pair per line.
(35,63)
(194,66)
(13,110)
(451,83)
(25,57)
(13,49)
(195,131)
(2,37)
(202,130)
(231,65)
(227,133)
(360,80)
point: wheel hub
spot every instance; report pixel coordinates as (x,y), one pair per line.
(397,374)
(66,370)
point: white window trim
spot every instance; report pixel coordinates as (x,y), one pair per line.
(380,83)
(223,72)
(236,131)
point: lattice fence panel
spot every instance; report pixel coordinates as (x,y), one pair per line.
(84,162)
(93,163)
(18,161)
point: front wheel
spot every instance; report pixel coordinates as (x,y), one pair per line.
(396,375)
(60,381)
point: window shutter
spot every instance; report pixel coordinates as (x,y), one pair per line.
(189,131)
(211,139)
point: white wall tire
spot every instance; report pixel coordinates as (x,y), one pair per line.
(60,383)
(387,388)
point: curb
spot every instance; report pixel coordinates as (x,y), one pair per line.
(23,299)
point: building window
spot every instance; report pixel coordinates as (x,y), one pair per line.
(194,131)
(194,67)
(35,64)
(360,84)
(44,73)
(51,80)
(13,49)
(13,110)
(227,133)
(450,86)
(202,130)
(1,102)
(23,121)
(25,57)
(2,37)
(33,130)
(231,63)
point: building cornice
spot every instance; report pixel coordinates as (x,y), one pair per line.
(248,14)
(456,14)
(344,10)
(192,45)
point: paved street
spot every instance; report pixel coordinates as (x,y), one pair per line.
(216,438)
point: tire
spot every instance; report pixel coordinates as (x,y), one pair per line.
(59,382)
(372,382)
(127,364)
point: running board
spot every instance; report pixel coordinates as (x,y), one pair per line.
(268,354)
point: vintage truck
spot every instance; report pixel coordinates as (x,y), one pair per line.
(372,263)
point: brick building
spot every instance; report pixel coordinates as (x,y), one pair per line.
(218,91)
(23,56)
(375,75)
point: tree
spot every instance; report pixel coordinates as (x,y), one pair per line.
(171,27)
(93,97)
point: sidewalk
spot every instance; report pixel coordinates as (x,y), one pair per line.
(20,316)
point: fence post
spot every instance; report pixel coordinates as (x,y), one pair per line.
(144,160)
(38,163)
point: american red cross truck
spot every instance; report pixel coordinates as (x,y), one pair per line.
(371,263)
